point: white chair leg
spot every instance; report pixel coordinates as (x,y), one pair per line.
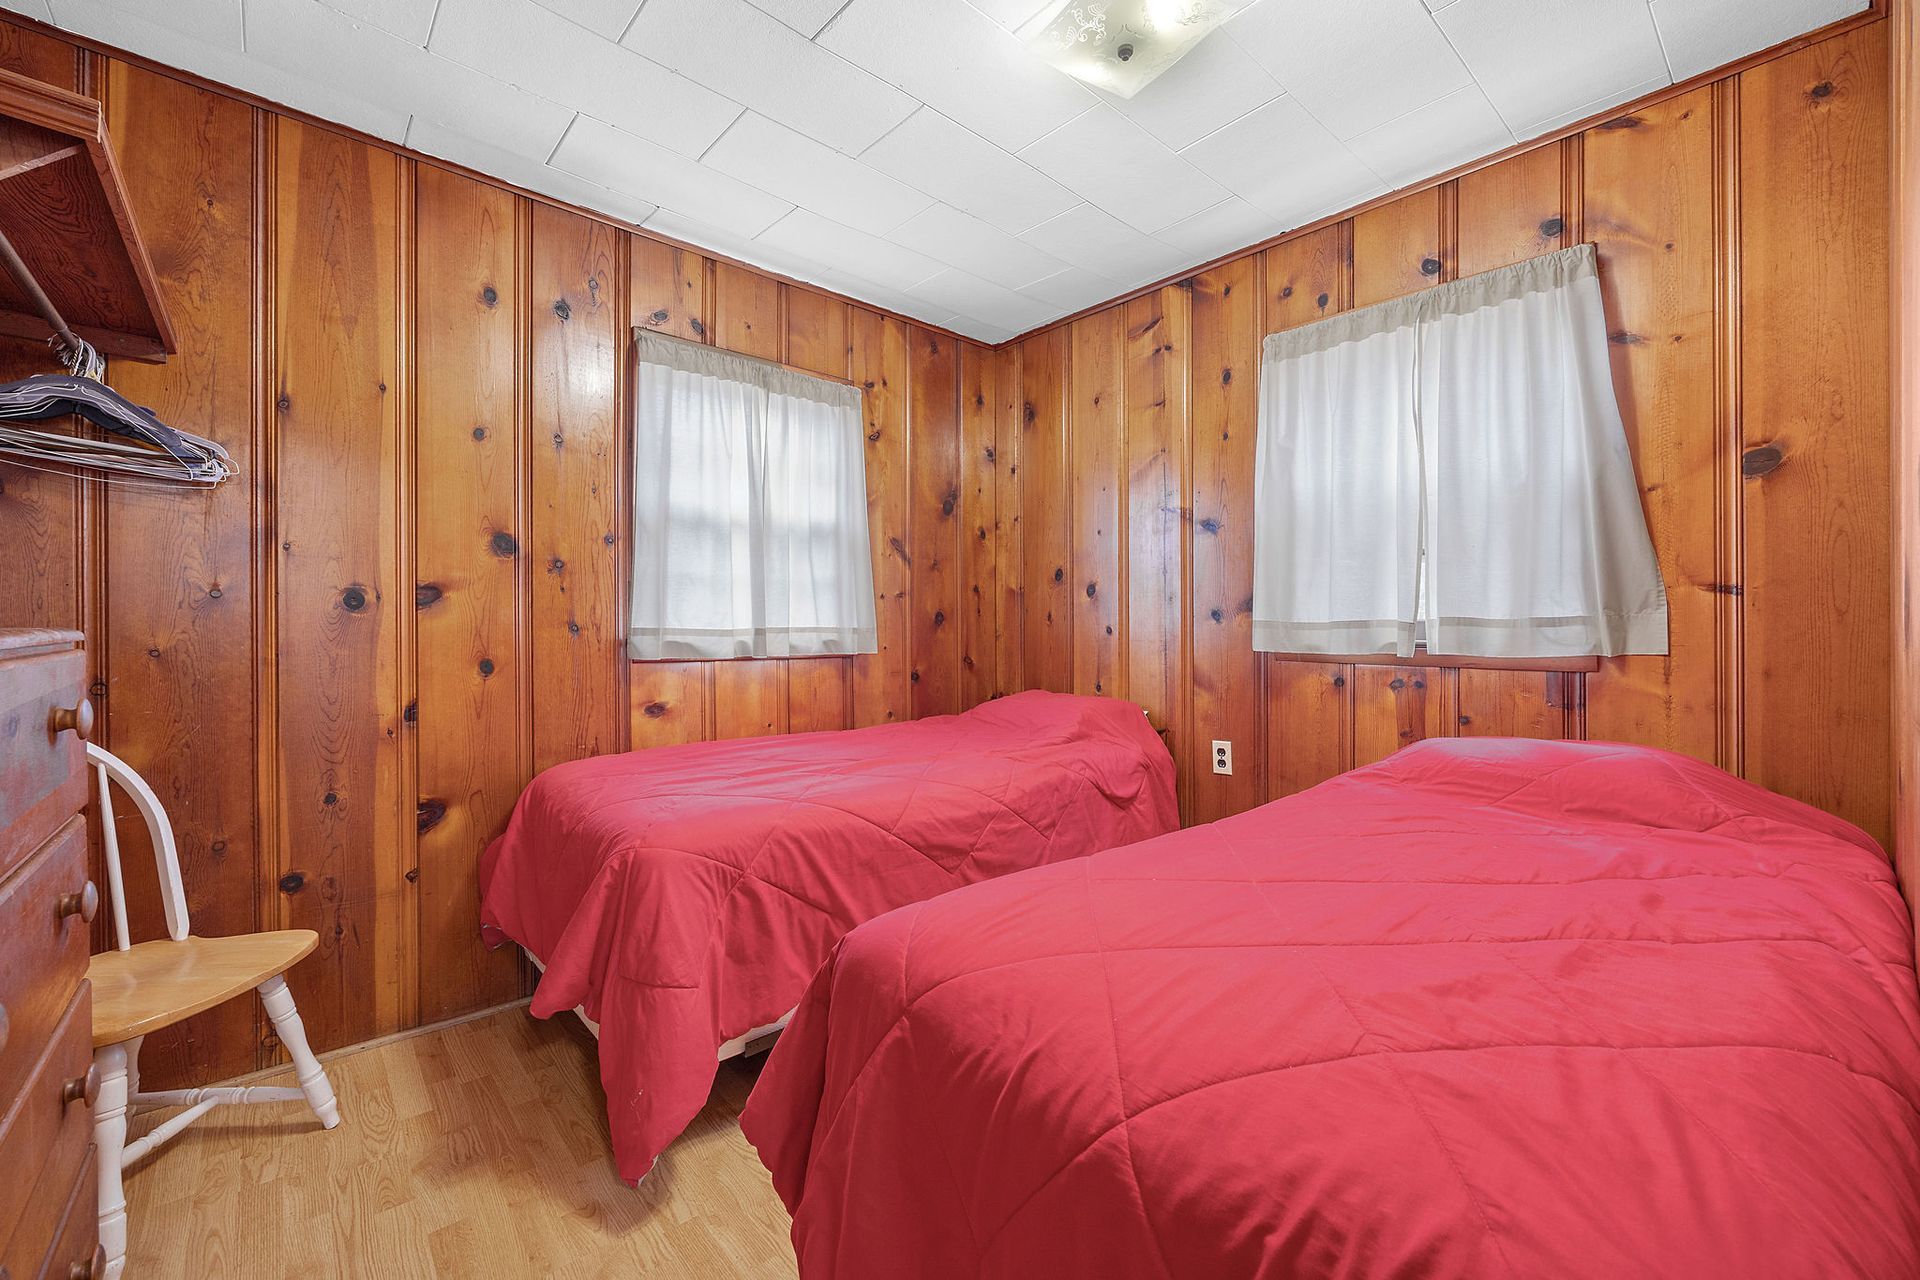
(133,1071)
(293,1034)
(110,1141)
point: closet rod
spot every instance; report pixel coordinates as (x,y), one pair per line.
(22,276)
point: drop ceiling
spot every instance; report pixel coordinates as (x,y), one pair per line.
(913,153)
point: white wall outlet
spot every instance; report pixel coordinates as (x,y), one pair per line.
(1222,756)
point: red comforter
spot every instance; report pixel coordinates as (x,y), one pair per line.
(684,895)
(1485,1009)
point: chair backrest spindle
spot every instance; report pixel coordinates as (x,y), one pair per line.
(108,769)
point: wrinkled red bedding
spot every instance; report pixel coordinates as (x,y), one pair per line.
(684,895)
(1487,1008)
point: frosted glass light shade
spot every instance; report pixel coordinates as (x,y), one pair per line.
(1122,45)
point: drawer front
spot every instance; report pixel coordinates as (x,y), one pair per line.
(45,950)
(44,1144)
(75,1254)
(43,779)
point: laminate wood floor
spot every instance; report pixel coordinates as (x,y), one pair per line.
(477,1150)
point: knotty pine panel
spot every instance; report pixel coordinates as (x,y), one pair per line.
(1513,210)
(1507,213)
(1814,390)
(1650,209)
(1096,434)
(1009,529)
(1310,721)
(1046,502)
(979,493)
(179,658)
(1398,248)
(469,579)
(668,290)
(1157,465)
(819,690)
(750,695)
(1396,706)
(1224,351)
(345,820)
(578,546)
(883,681)
(934,461)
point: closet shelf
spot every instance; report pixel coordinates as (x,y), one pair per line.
(64,210)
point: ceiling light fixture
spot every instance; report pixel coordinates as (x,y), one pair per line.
(1122,45)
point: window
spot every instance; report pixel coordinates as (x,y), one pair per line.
(1450,470)
(749,509)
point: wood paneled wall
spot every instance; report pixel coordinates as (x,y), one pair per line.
(340,669)
(1742,230)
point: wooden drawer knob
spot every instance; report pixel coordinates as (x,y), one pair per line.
(79,719)
(94,1268)
(84,1088)
(85,904)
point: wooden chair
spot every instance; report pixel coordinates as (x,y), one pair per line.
(140,989)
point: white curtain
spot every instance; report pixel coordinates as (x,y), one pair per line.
(1450,470)
(749,509)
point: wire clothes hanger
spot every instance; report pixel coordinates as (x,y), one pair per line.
(149,452)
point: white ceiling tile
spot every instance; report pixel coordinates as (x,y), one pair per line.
(214,22)
(958,166)
(807,234)
(960,240)
(1112,163)
(450,144)
(768,155)
(377,67)
(1700,35)
(863,290)
(411,20)
(608,18)
(1598,105)
(804,16)
(952,57)
(1232,224)
(1073,288)
(1215,83)
(735,49)
(1284,162)
(38,10)
(1091,238)
(727,244)
(1011,14)
(1461,126)
(228,66)
(535,49)
(1355,64)
(1536,57)
(599,153)
(984,300)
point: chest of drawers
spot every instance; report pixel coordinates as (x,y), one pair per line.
(48,1223)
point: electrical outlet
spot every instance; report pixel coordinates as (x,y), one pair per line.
(1222,756)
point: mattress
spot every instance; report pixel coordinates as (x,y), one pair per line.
(1487,1008)
(680,896)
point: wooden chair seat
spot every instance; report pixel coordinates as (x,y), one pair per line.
(156,984)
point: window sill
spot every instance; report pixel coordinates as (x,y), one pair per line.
(1446,661)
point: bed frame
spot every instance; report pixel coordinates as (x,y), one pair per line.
(746,1044)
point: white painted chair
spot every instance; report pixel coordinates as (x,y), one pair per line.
(140,989)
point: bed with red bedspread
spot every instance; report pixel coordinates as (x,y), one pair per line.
(684,895)
(1487,1008)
